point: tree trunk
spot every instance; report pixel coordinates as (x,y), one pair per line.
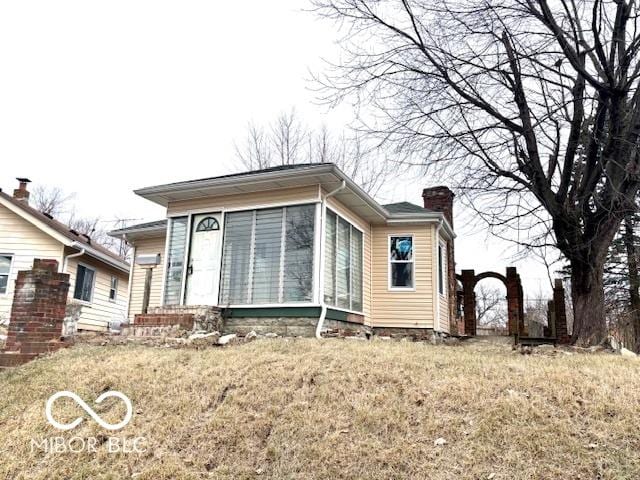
(587,293)
(634,278)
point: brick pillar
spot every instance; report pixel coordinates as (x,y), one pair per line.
(560,313)
(38,311)
(513,302)
(469,302)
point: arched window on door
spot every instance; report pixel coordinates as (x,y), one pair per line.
(208,224)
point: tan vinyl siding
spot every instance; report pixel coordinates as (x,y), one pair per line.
(97,314)
(403,309)
(25,242)
(363,225)
(245,200)
(147,246)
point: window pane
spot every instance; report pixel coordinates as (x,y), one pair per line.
(402,275)
(356,269)
(266,261)
(236,257)
(298,255)
(5,267)
(175,263)
(343,274)
(5,264)
(401,248)
(114,288)
(84,284)
(330,259)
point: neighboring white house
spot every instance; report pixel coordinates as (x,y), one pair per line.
(99,279)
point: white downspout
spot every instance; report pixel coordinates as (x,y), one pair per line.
(323,224)
(73,255)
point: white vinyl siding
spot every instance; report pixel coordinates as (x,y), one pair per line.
(268,256)
(343,281)
(175,261)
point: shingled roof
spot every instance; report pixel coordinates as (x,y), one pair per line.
(64,230)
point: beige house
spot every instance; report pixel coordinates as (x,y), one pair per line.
(99,279)
(300,241)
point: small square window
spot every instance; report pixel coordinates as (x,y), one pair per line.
(5,270)
(113,290)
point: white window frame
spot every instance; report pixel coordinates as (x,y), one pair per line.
(442,268)
(93,284)
(280,303)
(335,286)
(115,290)
(13,257)
(390,286)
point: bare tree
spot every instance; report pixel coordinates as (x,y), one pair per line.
(490,306)
(49,200)
(288,140)
(532,107)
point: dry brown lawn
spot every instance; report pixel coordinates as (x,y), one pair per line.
(303,409)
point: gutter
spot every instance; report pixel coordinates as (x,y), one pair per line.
(65,262)
(323,223)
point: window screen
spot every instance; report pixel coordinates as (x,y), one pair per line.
(5,269)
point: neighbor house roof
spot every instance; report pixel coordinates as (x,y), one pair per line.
(327,175)
(62,232)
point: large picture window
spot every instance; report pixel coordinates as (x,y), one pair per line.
(268,256)
(343,264)
(175,260)
(401,262)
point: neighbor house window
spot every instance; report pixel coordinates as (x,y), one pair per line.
(442,262)
(85,277)
(343,264)
(175,260)
(113,289)
(5,270)
(268,256)
(401,262)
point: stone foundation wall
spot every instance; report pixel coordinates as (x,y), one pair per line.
(204,317)
(289,326)
(413,333)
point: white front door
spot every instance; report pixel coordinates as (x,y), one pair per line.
(203,269)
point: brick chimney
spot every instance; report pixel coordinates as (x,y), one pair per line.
(439,199)
(21,193)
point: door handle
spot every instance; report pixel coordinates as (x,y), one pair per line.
(190,270)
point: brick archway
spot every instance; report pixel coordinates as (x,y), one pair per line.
(515,298)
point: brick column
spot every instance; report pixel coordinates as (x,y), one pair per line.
(469,303)
(38,311)
(560,313)
(513,302)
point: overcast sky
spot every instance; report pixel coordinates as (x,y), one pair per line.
(100,98)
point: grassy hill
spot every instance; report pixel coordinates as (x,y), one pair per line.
(281,409)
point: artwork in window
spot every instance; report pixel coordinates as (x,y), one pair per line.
(401,262)
(84,283)
(5,269)
(401,248)
(208,224)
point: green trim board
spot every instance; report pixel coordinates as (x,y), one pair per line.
(287,312)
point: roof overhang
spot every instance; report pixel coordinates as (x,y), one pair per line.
(138,232)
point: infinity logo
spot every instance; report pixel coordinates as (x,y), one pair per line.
(89,410)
